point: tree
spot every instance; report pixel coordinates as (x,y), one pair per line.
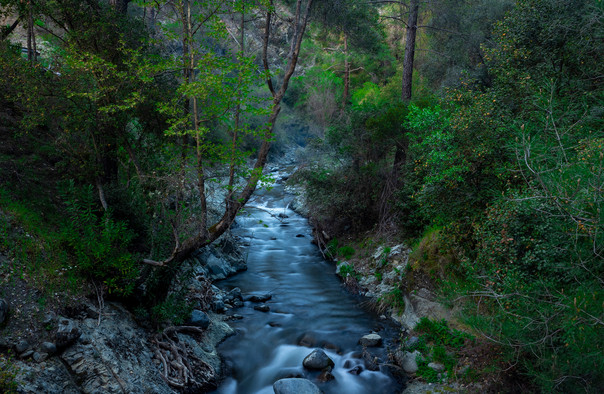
(194,90)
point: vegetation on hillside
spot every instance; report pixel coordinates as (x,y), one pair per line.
(117,118)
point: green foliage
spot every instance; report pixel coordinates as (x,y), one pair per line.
(8,373)
(346,270)
(99,243)
(439,333)
(394,298)
(174,310)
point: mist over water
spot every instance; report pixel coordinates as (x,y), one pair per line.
(307,299)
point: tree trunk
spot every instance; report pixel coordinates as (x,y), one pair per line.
(410,50)
(346,71)
(120,6)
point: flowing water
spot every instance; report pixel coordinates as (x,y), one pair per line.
(307,301)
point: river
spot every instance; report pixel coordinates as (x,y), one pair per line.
(308,301)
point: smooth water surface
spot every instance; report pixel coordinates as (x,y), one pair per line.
(307,299)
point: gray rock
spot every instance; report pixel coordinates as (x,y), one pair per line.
(235,293)
(116,356)
(411,342)
(199,319)
(21,346)
(259,297)
(3,310)
(218,306)
(295,386)
(436,366)
(39,357)
(48,347)
(26,354)
(67,333)
(262,308)
(356,370)
(408,361)
(317,359)
(371,340)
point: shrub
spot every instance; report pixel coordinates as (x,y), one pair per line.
(98,242)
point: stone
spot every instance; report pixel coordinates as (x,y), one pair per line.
(260,297)
(26,354)
(317,360)
(299,235)
(67,333)
(411,342)
(307,340)
(356,370)
(218,306)
(237,303)
(39,357)
(282,216)
(3,310)
(235,293)
(371,340)
(199,319)
(21,346)
(408,361)
(436,367)
(295,386)
(48,347)
(262,308)
(325,376)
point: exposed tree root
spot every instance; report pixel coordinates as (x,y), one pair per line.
(181,367)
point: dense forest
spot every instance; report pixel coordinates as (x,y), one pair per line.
(133,133)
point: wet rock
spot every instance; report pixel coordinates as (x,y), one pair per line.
(307,340)
(274,324)
(67,333)
(218,306)
(295,386)
(48,347)
(21,346)
(262,308)
(372,362)
(371,340)
(236,317)
(356,370)
(282,216)
(273,238)
(299,235)
(199,319)
(436,367)
(318,360)
(235,293)
(3,310)
(326,376)
(259,297)
(237,303)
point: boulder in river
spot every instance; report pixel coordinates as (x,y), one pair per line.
(318,360)
(295,386)
(371,340)
(262,308)
(259,297)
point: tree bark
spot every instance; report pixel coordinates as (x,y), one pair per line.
(346,71)
(410,50)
